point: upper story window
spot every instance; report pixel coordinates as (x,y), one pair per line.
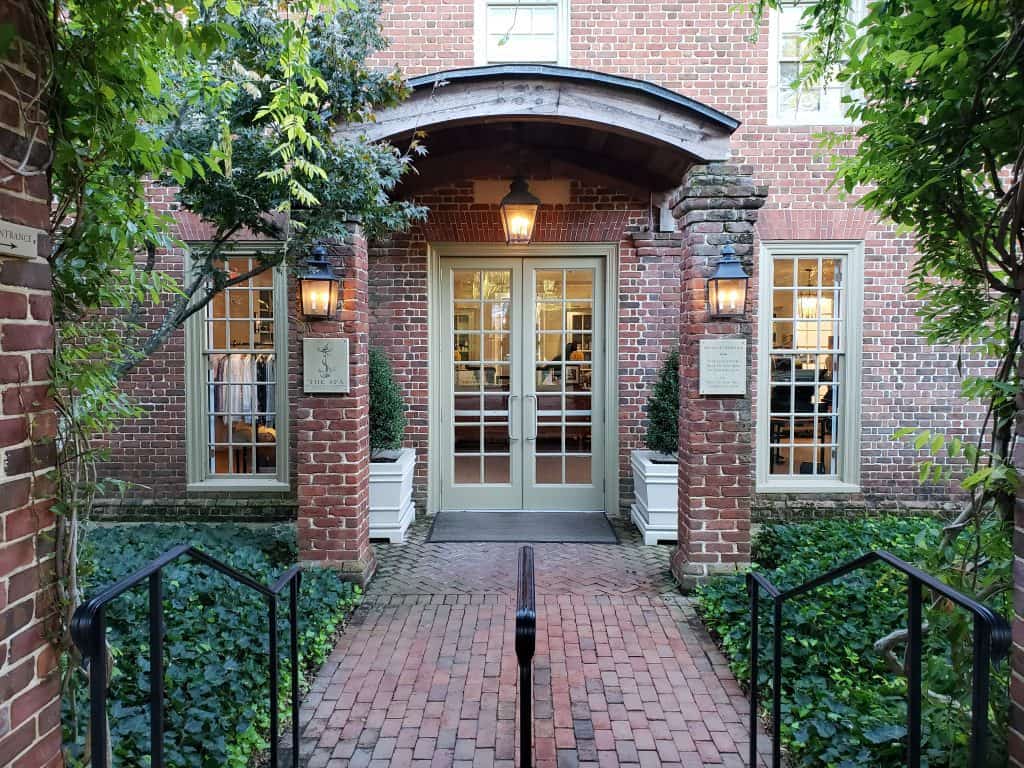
(809,358)
(237,390)
(522,31)
(789,102)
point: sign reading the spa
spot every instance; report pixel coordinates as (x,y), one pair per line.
(723,366)
(325,365)
(16,240)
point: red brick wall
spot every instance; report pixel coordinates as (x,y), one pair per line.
(703,50)
(648,293)
(29,680)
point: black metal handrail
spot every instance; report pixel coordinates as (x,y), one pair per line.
(88,630)
(991,643)
(526,644)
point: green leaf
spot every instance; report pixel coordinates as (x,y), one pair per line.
(885,733)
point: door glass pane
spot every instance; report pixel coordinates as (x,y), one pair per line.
(467,469)
(563,351)
(496,316)
(496,470)
(481,357)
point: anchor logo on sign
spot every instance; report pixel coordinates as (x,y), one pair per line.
(325,367)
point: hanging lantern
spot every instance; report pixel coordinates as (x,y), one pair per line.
(727,288)
(519,213)
(810,305)
(318,286)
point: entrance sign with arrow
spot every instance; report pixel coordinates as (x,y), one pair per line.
(16,240)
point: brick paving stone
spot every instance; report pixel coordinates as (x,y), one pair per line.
(425,674)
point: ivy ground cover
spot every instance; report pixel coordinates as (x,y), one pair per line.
(843,705)
(216,680)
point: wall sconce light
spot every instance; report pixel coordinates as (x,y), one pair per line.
(318,286)
(519,213)
(727,288)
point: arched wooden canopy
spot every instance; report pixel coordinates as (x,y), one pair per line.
(540,119)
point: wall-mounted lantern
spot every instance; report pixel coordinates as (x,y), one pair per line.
(519,213)
(318,286)
(727,288)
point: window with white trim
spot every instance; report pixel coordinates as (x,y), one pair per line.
(789,102)
(237,399)
(809,358)
(534,31)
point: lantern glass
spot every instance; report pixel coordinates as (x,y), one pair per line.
(318,286)
(519,213)
(727,288)
(319,297)
(727,296)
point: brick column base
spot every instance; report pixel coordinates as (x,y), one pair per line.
(716,204)
(333,435)
(1016,734)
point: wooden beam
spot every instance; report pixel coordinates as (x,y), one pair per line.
(598,106)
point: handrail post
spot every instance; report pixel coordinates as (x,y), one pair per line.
(777,683)
(913,663)
(293,616)
(979,692)
(156,669)
(274,725)
(752,590)
(98,690)
(526,644)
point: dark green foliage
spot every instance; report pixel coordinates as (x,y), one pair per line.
(387,409)
(841,705)
(663,408)
(216,681)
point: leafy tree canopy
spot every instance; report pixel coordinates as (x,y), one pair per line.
(231,107)
(936,145)
(234,106)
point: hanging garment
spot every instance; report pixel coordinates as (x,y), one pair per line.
(236,376)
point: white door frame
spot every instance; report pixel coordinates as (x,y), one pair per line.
(607,251)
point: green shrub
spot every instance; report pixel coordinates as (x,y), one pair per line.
(216,682)
(387,409)
(841,706)
(663,408)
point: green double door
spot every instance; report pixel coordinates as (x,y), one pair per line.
(521,385)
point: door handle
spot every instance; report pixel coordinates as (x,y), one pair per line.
(531,418)
(512,423)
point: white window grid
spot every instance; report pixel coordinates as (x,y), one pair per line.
(522,31)
(807,352)
(821,104)
(482,334)
(829,341)
(241,412)
(564,414)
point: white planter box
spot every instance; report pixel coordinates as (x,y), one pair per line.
(656,487)
(391,507)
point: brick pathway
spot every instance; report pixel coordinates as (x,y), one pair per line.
(425,674)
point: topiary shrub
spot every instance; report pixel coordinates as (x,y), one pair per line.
(387,409)
(663,408)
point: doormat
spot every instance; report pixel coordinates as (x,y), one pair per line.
(522,526)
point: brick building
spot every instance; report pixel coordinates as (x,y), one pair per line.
(653,135)
(30,733)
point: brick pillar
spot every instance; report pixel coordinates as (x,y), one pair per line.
(29,684)
(1016,735)
(333,434)
(716,204)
